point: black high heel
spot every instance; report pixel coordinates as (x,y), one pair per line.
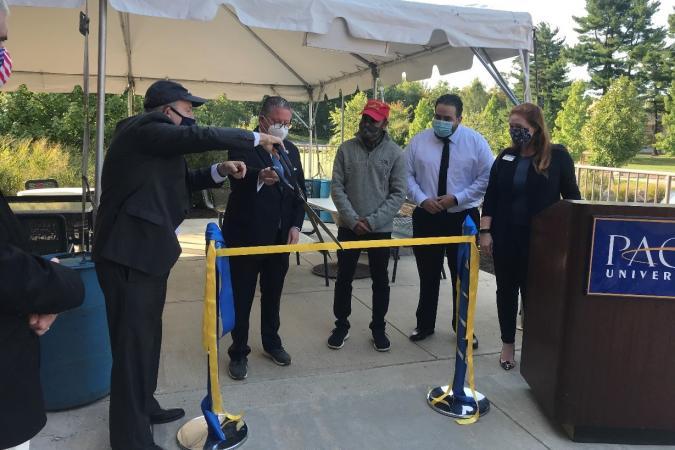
(506,365)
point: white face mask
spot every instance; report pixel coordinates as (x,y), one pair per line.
(278,130)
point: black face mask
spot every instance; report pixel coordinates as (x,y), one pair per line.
(370,133)
(185,121)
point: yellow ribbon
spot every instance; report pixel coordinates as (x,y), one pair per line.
(474,263)
(348,245)
(209,336)
(209,333)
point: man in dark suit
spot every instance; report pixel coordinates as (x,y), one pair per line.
(145,196)
(32,292)
(263,209)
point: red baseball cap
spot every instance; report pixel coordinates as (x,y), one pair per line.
(376,109)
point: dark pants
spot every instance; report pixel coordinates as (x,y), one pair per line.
(510,247)
(245,270)
(430,259)
(134,303)
(378,260)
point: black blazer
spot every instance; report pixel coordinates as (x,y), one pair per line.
(28,284)
(146,188)
(255,217)
(541,190)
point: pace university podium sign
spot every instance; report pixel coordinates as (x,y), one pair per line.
(632,257)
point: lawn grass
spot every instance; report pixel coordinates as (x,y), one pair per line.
(660,163)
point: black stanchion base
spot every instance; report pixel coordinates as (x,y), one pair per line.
(194,434)
(455,408)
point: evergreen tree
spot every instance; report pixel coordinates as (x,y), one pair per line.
(424,114)
(548,72)
(601,39)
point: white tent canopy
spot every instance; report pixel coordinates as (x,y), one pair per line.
(248,48)
(304,50)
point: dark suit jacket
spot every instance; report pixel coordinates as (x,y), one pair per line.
(541,190)
(146,188)
(28,284)
(256,217)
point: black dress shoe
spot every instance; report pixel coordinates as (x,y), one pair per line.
(420,335)
(166,415)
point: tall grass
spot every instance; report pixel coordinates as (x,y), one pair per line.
(27,159)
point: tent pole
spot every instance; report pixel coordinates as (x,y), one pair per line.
(485,60)
(130,100)
(342,117)
(311,135)
(100,104)
(525,62)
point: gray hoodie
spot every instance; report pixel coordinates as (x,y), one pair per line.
(369,184)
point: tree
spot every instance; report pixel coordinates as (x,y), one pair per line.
(424,114)
(408,93)
(353,109)
(615,38)
(548,72)
(615,130)
(474,97)
(601,40)
(665,141)
(492,123)
(398,122)
(571,120)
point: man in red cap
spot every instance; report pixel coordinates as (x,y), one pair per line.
(368,188)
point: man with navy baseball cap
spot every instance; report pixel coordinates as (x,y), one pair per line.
(145,195)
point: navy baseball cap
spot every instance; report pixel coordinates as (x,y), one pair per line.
(163,92)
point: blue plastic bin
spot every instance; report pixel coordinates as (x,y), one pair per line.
(324,192)
(75,358)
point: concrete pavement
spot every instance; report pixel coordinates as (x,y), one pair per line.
(353,398)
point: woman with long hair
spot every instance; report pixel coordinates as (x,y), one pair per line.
(526,178)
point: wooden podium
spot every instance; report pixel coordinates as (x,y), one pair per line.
(602,365)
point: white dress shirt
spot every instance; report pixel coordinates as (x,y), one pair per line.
(468,169)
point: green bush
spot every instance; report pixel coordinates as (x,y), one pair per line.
(26,159)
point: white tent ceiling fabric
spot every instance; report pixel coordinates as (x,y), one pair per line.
(248,48)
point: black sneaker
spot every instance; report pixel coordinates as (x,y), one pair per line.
(381,341)
(337,338)
(238,369)
(279,356)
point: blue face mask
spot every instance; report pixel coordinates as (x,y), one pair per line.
(442,128)
(185,121)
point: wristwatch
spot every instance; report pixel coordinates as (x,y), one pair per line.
(484,230)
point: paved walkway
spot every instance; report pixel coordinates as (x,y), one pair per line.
(353,398)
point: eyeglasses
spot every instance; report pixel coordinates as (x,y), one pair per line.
(287,125)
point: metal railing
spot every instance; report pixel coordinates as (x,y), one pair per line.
(625,185)
(320,163)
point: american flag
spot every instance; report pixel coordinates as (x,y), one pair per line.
(5,66)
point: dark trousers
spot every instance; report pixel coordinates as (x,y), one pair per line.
(245,270)
(134,303)
(511,244)
(378,260)
(429,259)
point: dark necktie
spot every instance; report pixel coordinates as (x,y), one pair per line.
(443,171)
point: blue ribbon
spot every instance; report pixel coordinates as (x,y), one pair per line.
(225,309)
(463,257)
